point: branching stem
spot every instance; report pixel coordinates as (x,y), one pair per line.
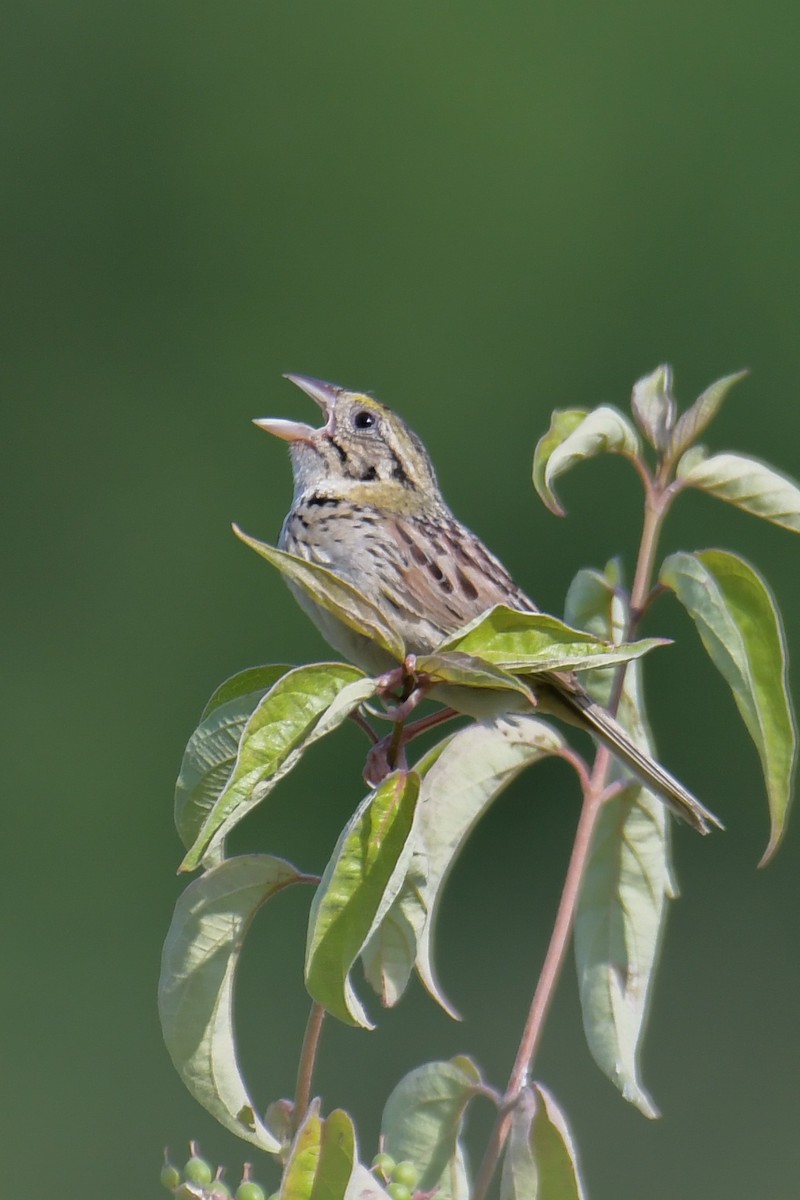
(595,792)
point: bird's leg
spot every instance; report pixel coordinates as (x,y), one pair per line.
(389,753)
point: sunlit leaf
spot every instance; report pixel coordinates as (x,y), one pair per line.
(472,770)
(195,994)
(301,1168)
(653,406)
(464,670)
(562,423)
(359,884)
(698,417)
(741,629)
(333,594)
(604,430)
(749,484)
(364,1186)
(303,706)
(243,683)
(540,1161)
(390,953)
(628,878)
(422,1122)
(337,1158)
(208,761)
(532,641)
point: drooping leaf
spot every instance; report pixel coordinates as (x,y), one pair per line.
(472,770)
(359,884)
(653,406)
(422,1122)
(698,417)
(562,423)
(252,679)
(195,994)
(604,430)
(333,594)
(208,761)
(628,878)
(531,642)
(303,706)
(740,626)
(749,484)
(540,1161)
(391,951)
(618,935)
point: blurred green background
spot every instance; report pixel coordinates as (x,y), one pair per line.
(480,212)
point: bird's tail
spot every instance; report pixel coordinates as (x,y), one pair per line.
(609,731)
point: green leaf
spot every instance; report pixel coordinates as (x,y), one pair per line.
(364,1186)
(422,1122)
(332,593)
(741,629)
(391,951)
(252,679)
(474,767)
(337,1158)
(562,423)
(653,406)
(533,642)
(301,1169)
(361,881)
(195,992)
(208,761)
(699,416)
(303,706)
(618,934)
(604,430)
(540,1161)
(628,878)
(747,483)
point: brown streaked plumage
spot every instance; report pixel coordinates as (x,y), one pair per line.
(367,506)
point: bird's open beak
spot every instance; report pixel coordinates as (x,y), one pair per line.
(297,431)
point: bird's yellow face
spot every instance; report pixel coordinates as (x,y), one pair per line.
(363,451)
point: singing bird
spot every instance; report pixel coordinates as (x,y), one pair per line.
(367,505)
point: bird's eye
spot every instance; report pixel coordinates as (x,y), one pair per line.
(364,419)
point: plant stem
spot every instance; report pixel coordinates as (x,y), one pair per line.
(308,1058)
(657,500)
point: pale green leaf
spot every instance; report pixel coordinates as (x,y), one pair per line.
(422,1122)
(464,670)
(252,679)
(301,1168)
(562,423)
(628,878)
(337,1157)
(474,767)
(533,642)
(653,406)
(749,484)
(195,993)
(604,430)
(699,416)
(303,706)
(208,761)
(332,593)
(358,887)
(741,629)
(390,953)
(540,1160)
(553,1150)
(364,1186)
